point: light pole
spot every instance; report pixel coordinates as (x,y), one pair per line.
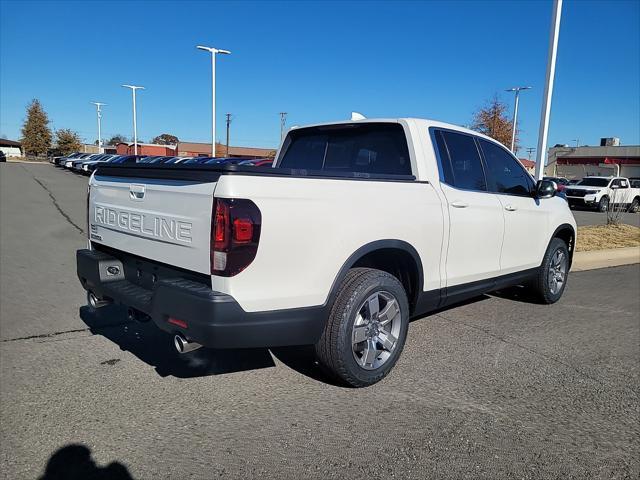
(515,113)
(548,89)
(135,123)
(99,113)
(283,123)
(213,52)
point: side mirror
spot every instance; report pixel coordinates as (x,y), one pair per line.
(614,187)
(546,189)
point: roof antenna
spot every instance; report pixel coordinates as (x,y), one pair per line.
(357,116)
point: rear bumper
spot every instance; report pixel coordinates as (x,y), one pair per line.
(213,319)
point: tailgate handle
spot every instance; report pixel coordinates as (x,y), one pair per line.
(136,192)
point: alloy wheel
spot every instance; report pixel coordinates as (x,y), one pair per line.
(376,330)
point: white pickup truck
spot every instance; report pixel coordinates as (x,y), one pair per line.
(604,193)
(361,226)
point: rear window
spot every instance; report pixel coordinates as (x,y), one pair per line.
(377,148)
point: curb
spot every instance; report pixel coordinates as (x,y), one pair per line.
(614,257)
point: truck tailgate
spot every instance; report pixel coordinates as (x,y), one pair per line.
(160,219)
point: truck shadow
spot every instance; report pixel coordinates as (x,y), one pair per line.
(74,462)
(155,347)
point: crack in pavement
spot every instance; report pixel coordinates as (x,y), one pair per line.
(45,335)
(55,202)
(64,332)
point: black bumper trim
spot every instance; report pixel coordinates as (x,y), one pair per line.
(214,319)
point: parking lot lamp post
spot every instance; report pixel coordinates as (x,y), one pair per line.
(548,89)
(99,112)
(515,113)
(213,52)
(135,123)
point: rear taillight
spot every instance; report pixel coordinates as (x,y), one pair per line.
(235,233)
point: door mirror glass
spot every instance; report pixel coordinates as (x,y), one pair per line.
(546,188)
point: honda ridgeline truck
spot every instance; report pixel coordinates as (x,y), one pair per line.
(360,227)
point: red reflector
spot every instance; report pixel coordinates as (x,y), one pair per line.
(242,230)
(179,323)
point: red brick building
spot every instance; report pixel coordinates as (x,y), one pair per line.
(146,149)
(196,149)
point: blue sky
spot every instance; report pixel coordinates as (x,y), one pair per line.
(317,61)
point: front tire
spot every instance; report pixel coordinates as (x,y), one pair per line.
(366,329)
(551,279)
(603,204)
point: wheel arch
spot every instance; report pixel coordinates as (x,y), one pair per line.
(395,257)
(566,233)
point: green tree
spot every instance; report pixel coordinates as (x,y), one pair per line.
(68,141)
(492,121)
(116,139)
(36,134)
(165,139)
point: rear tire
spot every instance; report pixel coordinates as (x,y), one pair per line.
(635,205)
(551,279)
(366,329)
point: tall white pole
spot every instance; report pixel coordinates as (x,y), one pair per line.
(99,115)
(99,131)
(213,52)
(515,121)
(135,124)
(548,89)
(135,117)
(213,104)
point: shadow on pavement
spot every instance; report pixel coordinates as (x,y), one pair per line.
(155,347)
(74,462)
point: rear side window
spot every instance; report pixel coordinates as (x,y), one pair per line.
(504,173)
(378,148)
(461,164)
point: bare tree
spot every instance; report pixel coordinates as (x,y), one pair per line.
(492,121)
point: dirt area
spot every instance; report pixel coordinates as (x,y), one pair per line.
(601,237)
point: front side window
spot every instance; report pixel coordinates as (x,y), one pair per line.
(504,173)
(377,148)
(464,168)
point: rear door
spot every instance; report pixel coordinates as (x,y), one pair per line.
(168,221)
(476,223)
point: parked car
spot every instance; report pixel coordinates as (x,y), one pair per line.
(258,162)
(128,159)
(84,166)
(59,161)
(603,192)
(89,167)
(558,180)
(3,156)
(225,161)
(363,226)
(68,163)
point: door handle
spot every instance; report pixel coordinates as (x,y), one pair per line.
(510,208)
(458,204)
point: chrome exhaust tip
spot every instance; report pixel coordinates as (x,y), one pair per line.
(183,345)
(95,302)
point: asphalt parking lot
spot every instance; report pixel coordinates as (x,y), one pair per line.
(495,388)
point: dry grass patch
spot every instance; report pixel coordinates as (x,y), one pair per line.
(601,237)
